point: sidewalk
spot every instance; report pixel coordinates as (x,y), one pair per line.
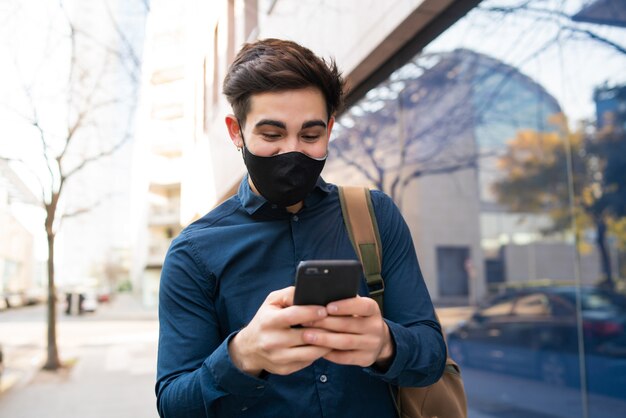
(113,357)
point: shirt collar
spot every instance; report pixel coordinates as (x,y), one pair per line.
(252,202)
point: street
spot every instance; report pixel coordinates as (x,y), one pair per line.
(111,357)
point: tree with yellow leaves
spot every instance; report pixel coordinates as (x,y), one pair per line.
(569,175)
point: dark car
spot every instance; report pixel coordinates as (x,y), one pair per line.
(535,331)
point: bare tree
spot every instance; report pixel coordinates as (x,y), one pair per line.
(95,65)
(422,121)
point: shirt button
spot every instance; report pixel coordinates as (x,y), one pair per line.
(245,408)
(295,218)
(323,378)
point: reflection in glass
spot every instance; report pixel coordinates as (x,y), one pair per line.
(504,145)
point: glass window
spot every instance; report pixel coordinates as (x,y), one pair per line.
(505,137)
(532,305)
(499,309)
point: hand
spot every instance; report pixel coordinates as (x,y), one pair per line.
(270,343)
(356,333)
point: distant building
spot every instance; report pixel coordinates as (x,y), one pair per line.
(170,160)
(17,261)
(603,12)
(610,107)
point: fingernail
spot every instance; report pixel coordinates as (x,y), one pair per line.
(332,308)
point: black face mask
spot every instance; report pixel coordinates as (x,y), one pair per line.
(283,179)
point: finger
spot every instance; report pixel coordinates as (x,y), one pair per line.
(294,358)
(279,340)
(300,314)
(342,324)
(338,341)
(303,353)
(361,306)
(282,297)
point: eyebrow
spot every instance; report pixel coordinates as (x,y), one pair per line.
(311,123)
(281,125)
(270,122)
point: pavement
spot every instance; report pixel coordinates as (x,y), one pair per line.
(110,359)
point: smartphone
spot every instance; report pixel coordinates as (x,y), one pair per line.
(319,282)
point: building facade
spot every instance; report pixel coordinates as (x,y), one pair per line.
(18,264)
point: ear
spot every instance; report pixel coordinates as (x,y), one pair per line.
(329,128)
(234,130)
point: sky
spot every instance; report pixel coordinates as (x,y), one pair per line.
(569,68)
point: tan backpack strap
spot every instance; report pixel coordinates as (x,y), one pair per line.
(360,221)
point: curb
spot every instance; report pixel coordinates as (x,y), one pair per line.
(28,365)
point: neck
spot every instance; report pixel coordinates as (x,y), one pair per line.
(295,208)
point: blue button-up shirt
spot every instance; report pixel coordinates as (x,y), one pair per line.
(220,269)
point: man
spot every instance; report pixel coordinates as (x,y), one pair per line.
(228,345)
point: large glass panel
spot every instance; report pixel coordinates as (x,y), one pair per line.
(504,145)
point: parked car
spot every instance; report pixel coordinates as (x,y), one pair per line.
(79,301)
(15,299)
(90,301)
(535,331)
(35,296)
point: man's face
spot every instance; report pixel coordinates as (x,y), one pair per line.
(293,120)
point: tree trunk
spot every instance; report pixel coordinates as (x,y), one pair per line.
(605,259)
(52,362)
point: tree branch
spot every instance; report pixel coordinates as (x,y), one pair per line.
(131,51)
(86,209)
(94,158)
(351,163)
(558,17)
(472,163)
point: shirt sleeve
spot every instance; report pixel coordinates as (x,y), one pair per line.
(195,374)
(420,351)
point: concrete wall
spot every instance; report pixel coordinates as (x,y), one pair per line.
(16,254)
(555,261)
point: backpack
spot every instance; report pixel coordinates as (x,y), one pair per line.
(444,398)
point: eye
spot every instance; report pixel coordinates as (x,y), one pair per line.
(270,135)
(311,137)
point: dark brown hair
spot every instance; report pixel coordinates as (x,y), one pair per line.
(272,65)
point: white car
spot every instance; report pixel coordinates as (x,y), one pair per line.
(90,302)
